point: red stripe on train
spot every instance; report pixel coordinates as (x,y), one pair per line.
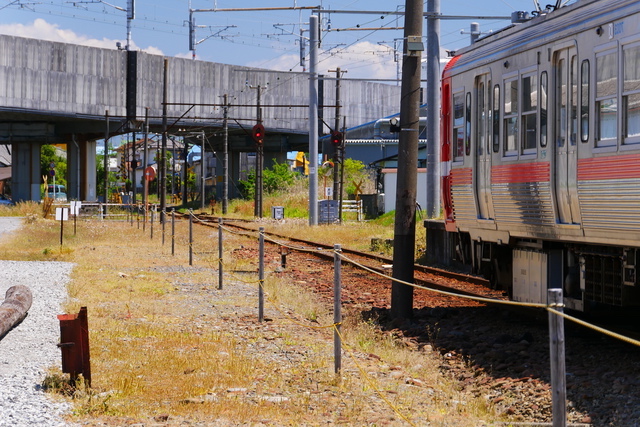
(522,172)
(462,176)
(610,167)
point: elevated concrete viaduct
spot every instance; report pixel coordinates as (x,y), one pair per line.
(59,93)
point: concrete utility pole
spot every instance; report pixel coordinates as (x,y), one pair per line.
(225,160)
(162,165)
(202,171)
(405,220)
(337,157)
(106,161)
(259,159)
(433,109)
(145,164)
(313,120)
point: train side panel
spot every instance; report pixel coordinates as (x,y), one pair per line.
(541,128)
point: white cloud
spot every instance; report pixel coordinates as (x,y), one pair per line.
(43,30)
(361,60)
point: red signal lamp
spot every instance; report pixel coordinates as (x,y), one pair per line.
(258,133)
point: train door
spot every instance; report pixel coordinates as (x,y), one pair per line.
(565,135)
(482,168)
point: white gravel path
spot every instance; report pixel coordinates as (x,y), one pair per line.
(30,348)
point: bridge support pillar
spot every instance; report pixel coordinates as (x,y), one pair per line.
(25,179)
(81,170)
(89,183)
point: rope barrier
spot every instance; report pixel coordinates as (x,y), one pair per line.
(453,294)
(595,328)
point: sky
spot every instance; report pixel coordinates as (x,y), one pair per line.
(360,43)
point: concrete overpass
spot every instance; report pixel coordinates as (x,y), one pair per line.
(54,92)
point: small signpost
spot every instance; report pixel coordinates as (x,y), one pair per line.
(62,215)
(75,211)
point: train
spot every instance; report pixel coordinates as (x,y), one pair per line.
(540,154)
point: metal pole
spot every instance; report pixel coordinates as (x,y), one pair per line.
(313,122)
(145,163)
(202,172)
(163,216)
(225,160)
(190,237)
(405,219)
(220,253)
(337,307)
(341,150)
(336,154)
(106,162)
(151,228)
(173,231)
(433,109)
(162,166)
(261,275)
(259,162)
(556,348)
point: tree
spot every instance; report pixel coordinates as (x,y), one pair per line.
(49,156)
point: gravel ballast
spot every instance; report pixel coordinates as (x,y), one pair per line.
(29,349)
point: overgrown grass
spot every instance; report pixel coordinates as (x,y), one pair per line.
(160,348)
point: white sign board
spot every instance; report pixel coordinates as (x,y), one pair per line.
(62,214)
(75,207)
(328,192)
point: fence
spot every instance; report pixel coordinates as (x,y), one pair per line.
(353,206)
(554,307)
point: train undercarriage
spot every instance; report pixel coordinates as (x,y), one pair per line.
(591,276)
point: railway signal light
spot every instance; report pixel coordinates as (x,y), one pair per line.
(336,138)
(258,133)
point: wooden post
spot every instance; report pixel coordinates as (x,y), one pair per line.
(17,302)
(558,371)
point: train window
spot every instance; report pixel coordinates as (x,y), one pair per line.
(481,119)
(529,113)
(467,132)
(573,100)
(606,99)
(511,118)
(584,102)
(631,94)
(496,118)
(458,126)
(543,108)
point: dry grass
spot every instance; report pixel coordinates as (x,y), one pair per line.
(163,346)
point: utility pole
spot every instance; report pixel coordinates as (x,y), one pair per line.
(106,162)
(202,172)
(313,120)
(162,166)
(338,153)
(130,17)
(433,109)
(225,160)
(405,219)
(134,165)
(259,159)
(145,163)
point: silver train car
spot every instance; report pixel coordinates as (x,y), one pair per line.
(540,154)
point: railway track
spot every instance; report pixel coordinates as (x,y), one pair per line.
(425,276)
(495,350)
